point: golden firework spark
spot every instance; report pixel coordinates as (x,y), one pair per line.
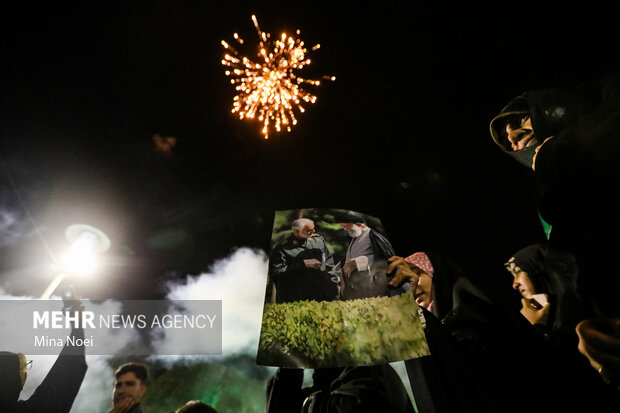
(268,89)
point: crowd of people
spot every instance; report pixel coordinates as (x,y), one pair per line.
(557,350)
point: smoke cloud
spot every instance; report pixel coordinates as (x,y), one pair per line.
(12,227)
(239,281)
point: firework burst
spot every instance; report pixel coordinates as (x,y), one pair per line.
(269,89)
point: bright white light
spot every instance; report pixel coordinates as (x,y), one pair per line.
(79,262)
(85,242)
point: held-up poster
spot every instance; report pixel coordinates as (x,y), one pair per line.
(328,302)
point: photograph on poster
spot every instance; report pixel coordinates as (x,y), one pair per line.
(328,302)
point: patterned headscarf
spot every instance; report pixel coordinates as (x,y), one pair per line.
(421,260)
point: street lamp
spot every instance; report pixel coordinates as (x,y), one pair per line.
(86,242)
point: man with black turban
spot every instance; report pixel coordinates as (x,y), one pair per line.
(365,260)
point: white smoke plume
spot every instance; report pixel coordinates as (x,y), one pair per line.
(239,280)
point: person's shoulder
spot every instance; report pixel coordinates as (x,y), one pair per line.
(317,238)
(374,232)
(283,244)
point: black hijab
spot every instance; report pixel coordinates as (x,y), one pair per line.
(554,273)
(446,274)
(10,382)
(531,259)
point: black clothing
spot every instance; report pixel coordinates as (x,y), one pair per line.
(381,245)
(554,273)
(370,282)
(482,350)
(339,390)
(551,273)
(577,198)
(465,332)
(57,391)
(10,382)
(446,276)
(446,381)
(295,282)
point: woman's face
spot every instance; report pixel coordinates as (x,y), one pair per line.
(523,284)
(423,293)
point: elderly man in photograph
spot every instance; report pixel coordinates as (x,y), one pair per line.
(302,267)
(365,260)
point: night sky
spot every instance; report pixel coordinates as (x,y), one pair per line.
(402,134)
